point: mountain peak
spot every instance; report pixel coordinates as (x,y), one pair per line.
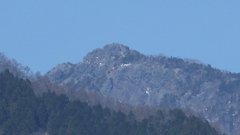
(116,47)
(112,52)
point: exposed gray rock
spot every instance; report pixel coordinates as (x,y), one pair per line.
(128,76)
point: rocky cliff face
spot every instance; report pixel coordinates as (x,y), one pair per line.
(128,76)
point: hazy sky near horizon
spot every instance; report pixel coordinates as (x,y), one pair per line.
(42,34)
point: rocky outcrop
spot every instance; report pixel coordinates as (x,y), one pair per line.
(131,77)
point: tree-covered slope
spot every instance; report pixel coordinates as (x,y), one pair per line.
(22,113)
(18,105)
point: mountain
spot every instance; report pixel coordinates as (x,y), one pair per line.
(128,76)
(23,113)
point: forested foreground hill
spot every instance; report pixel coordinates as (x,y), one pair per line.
(22,113)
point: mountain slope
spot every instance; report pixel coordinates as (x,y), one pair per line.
(22,113)
(130,77)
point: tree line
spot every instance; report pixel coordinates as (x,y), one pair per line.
(23,113)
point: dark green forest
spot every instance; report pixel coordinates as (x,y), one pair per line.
(23,113)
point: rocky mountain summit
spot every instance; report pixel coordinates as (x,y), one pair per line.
(128,76)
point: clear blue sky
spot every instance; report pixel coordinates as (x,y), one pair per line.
(41,34)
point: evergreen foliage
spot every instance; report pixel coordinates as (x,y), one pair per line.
(22,113)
